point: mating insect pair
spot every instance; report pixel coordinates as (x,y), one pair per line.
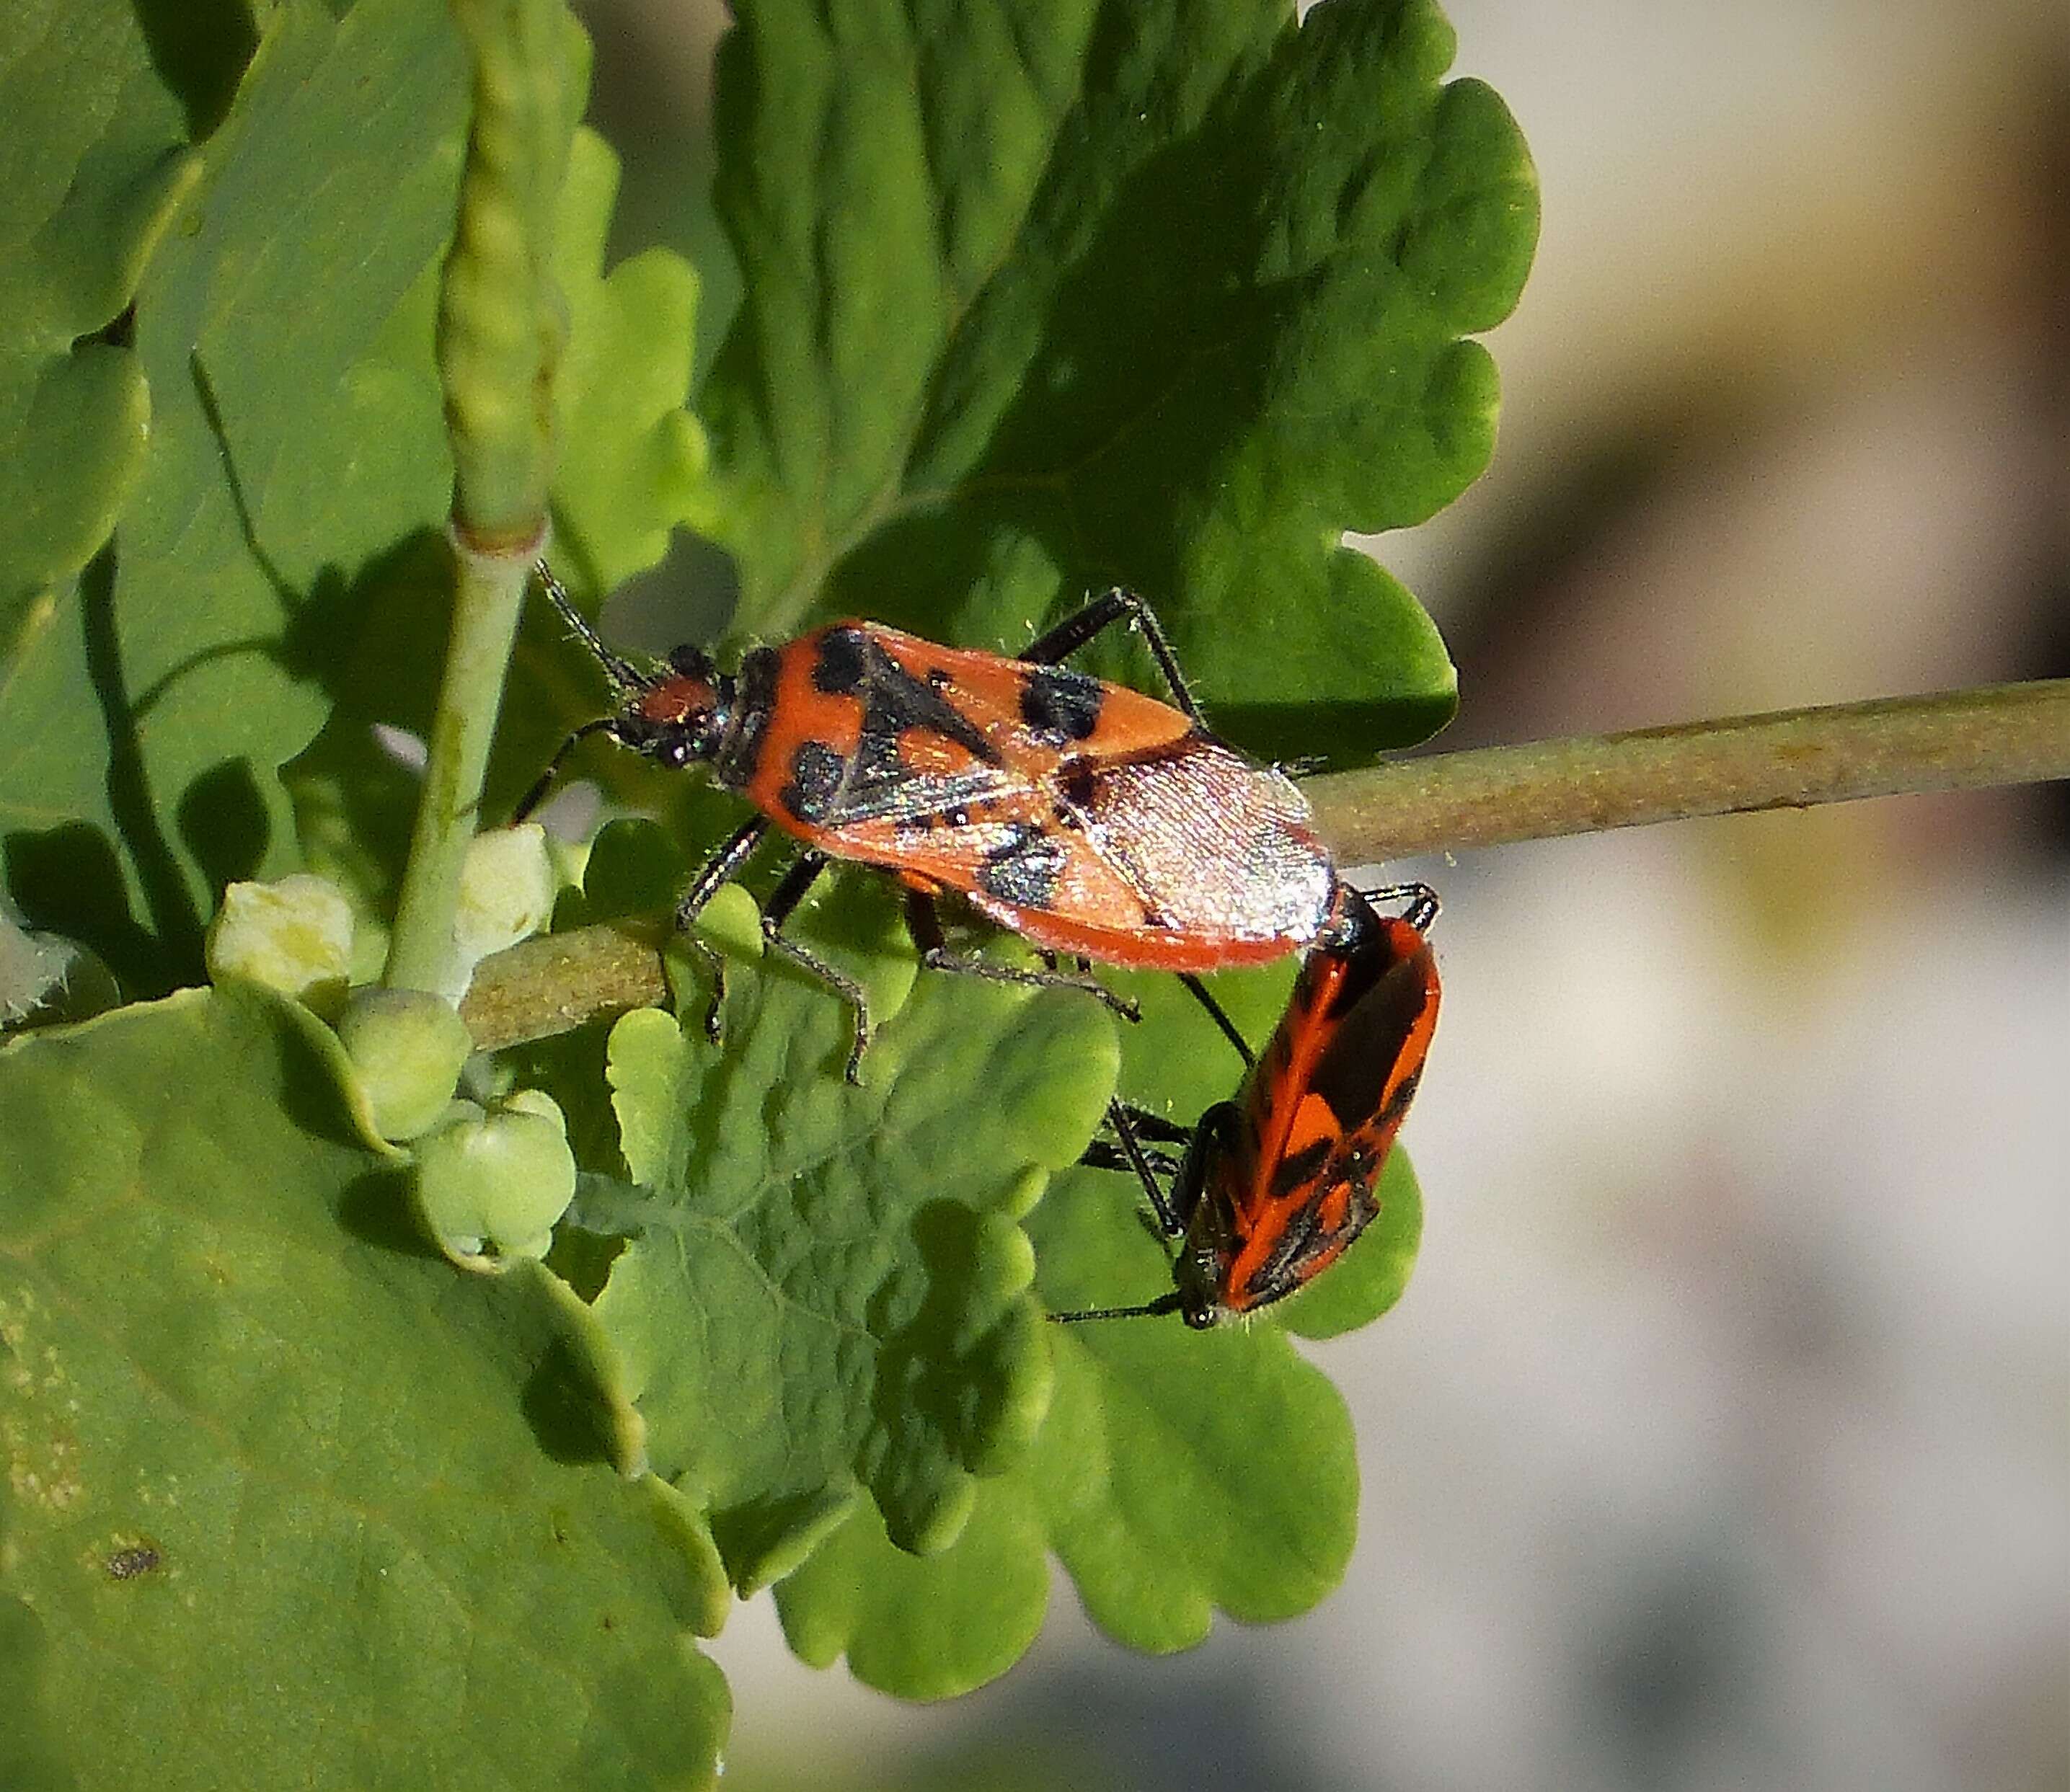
(1096,823)
(1092,820)
(1275,1183)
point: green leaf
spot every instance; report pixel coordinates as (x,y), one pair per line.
(94,163)
(1185,1471)
(1042,298)
(634,460)
(925,1627)
(285,1499)
(826,1287)
(1177,1472)
(147,707)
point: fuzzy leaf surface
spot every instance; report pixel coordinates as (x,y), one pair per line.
(286,1500)
(1044,297)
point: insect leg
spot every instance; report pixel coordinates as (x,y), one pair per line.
(718,869)
(926,927)
(1125,1121)
(533,797)
(1102,613)
(1102,1154)
(790,891)
(1149,1126)
(1423,901)
(1125,1124)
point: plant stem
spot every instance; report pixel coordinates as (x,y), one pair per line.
(501,332)
(485,613)
(1956,740)
(1792,758)
(555,983)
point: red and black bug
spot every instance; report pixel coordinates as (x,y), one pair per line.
(1274,1184)
(1088,818)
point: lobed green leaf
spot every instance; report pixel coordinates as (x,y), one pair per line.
(1176,1473)
(286,1500)
(95,164)
(1043,298)
(825,1287)
(143,714)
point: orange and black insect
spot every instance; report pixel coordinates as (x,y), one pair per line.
(1274,1184)
(1089,818)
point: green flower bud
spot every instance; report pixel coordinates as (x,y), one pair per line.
(491,1185)
(294,936)
(506,890)
(408,1049)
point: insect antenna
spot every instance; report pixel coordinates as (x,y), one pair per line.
(621,671)
(1219,1016)
(1149,1309)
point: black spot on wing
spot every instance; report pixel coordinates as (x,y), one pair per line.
(1062,705)
(1024,870)
(1366,1043)
(894,701)
(816,782)
(1305,1238)
(1397,1101)
(838,667)
(1302,1168)
(881,783)
(1080,786)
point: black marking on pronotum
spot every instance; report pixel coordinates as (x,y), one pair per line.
(1024,869)
(816,779)
(1061,704)
(839,667)
(1295,1172)
(754,699)
(132,1560)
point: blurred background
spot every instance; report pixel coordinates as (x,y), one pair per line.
(1722,1439)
